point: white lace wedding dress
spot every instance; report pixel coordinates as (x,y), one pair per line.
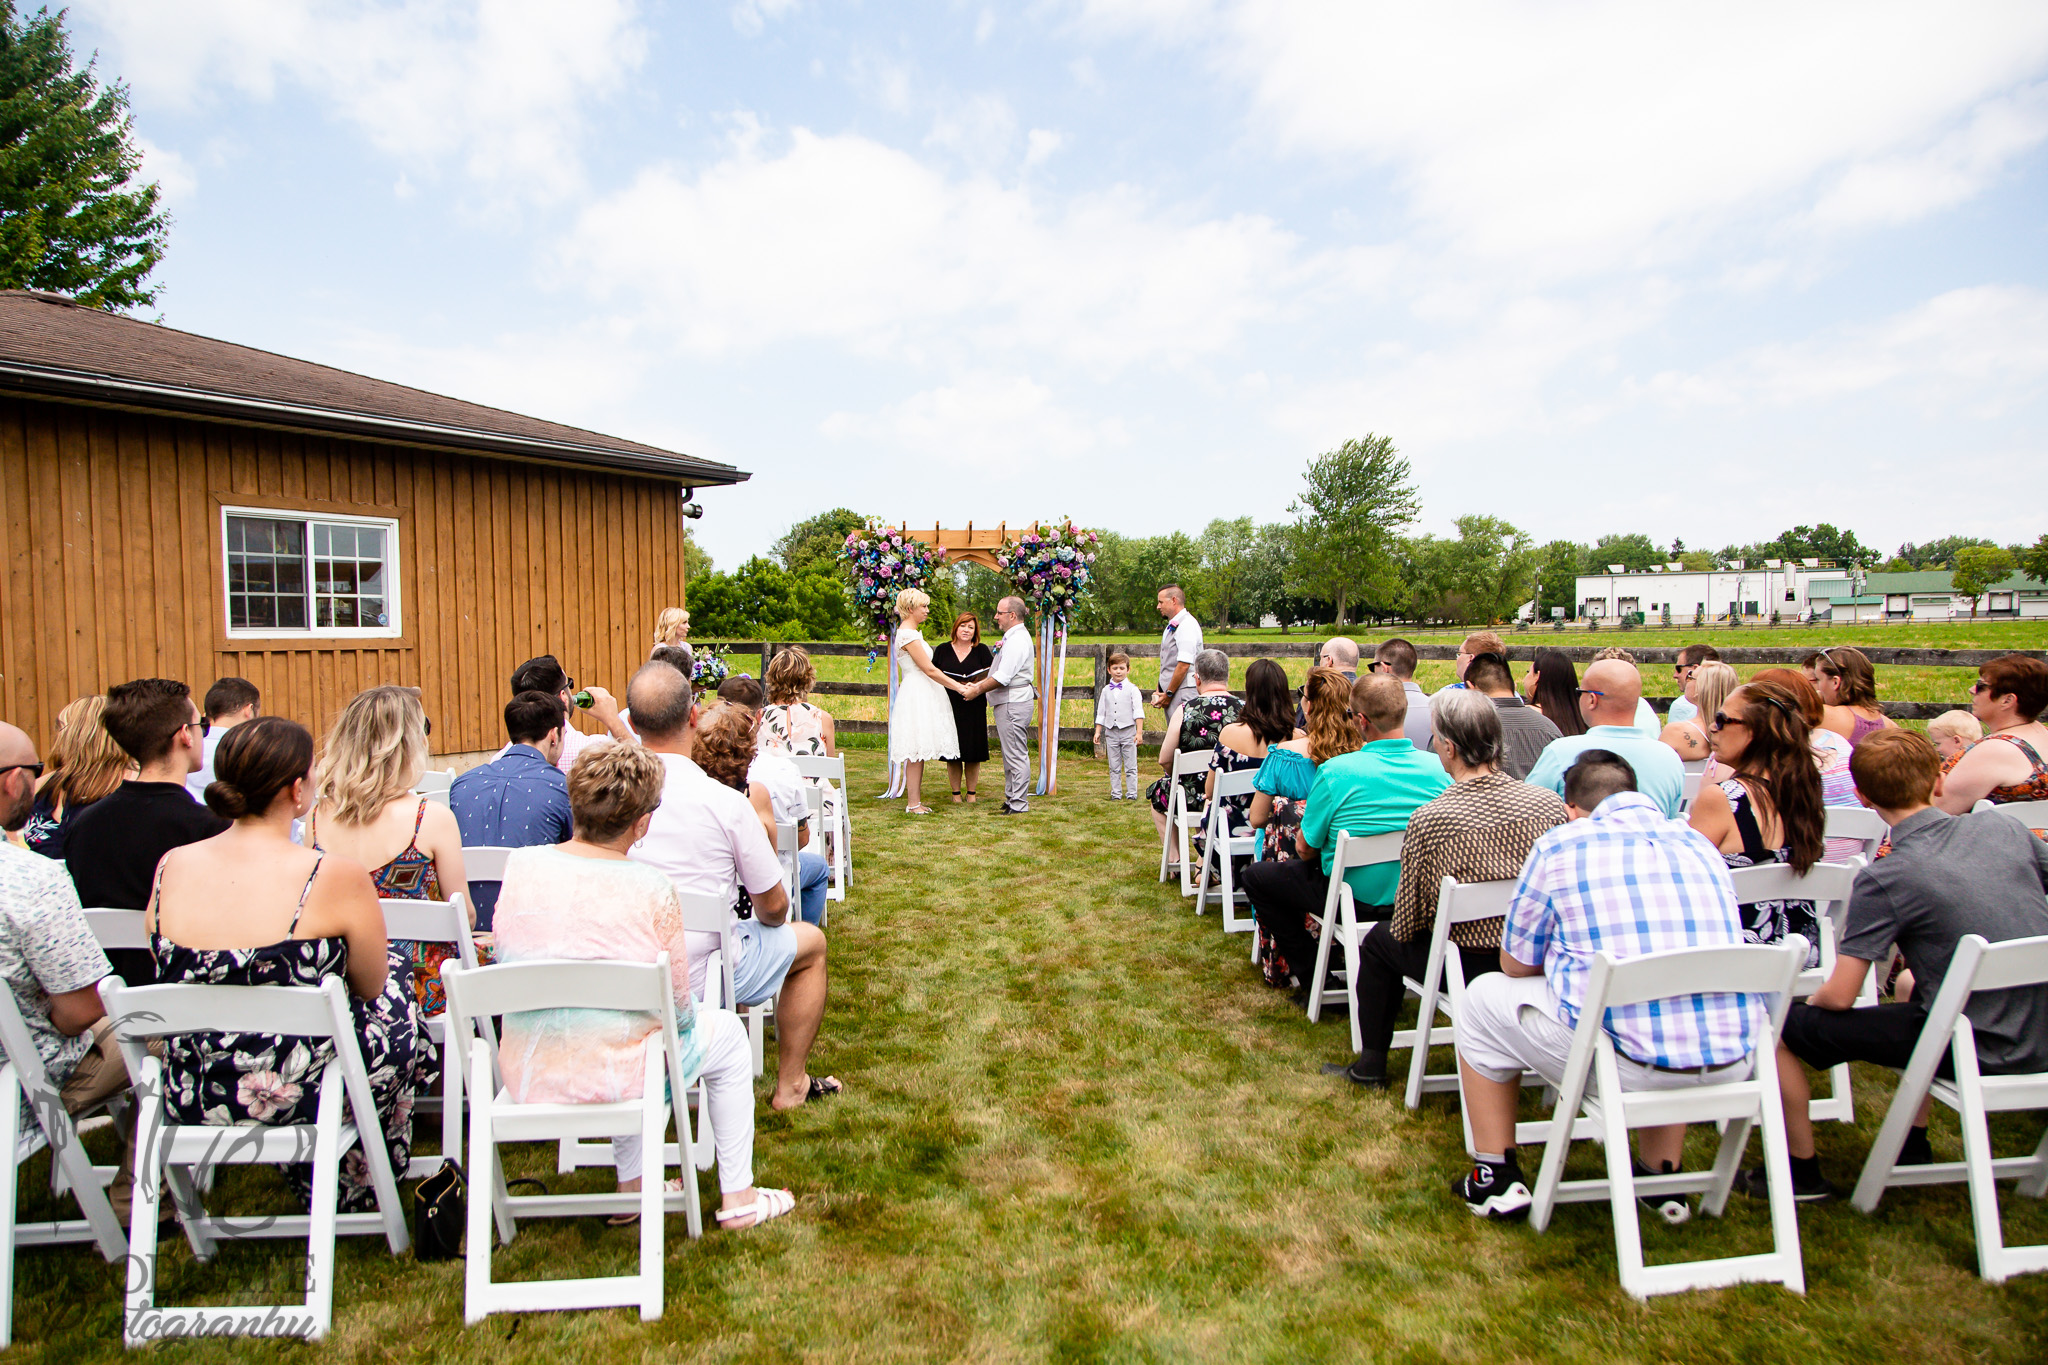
(921,726)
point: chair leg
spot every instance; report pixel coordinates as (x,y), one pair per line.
(2035,1186)
(139,1291)
(1980,1173)
(1350,936)
(1621,1182)
(483,1192)
(654,1182)
(10,1133)
(1777,1172)
(320,1258)
(1315,989)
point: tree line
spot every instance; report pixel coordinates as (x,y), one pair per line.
(1348,554)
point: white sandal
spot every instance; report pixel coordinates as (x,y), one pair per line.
(767,1204)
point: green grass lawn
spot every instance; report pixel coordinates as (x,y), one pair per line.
(1077,1127)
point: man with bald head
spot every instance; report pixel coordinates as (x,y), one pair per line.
(708,840)
(1009,678)
(1372,791)
(1179,643)
(1339,653)
(52,963)
(1608,696)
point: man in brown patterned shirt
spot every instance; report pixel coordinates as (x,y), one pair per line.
(1480,830)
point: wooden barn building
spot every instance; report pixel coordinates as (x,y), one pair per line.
(176,506)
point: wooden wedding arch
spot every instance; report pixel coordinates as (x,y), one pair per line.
(969,546)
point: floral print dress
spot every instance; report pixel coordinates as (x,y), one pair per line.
(227,1079)
(1201,725)
(1287,776)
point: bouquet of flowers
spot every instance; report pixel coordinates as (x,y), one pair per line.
(1050,567)
(711,668)
(880,563)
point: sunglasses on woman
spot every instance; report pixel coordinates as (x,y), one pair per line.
(1722,720)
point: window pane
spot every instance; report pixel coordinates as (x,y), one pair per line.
(291,612)
(262,611)
(266,573)
(374,613)
(370,577)
(345,613)
(320,546)
(369,542)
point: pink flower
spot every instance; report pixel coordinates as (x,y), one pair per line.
(263,1093)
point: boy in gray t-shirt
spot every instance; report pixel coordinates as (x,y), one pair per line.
(1946,876)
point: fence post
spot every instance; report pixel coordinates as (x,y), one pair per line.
(767,653)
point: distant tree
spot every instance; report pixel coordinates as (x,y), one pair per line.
(1977,568)
(1818,542)
(696,560)
(1939,554)
(1897,564)
(1559,565)
(1496,561)
(1229,550)
(74,218)
(1355,503)
(1697,561)
(2034,563)
(761,600)
(1633,552)
(816,540)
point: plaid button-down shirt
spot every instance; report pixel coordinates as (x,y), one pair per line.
(1627,881)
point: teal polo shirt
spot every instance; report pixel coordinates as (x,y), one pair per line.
(1372,791)
(1659,773)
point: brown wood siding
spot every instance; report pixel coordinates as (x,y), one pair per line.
(110,566)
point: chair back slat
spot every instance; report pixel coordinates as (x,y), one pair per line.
(1754,968)
(814,797)
(118,929)
(1238,783)
(559,983)
(1364,850)
(184,1007)
(818,766)
(485,863)
(2015,962)
(1191,763)
(704,914)
(1828,882)
(1462,902)
(2032,814)
(427,921)
(1855,822)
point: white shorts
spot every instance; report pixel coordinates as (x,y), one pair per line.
(1509,1025)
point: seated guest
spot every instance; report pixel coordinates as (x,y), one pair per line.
(1477,643)
(369,812)
(588,900)
(790,724)
(725,750)
(229,702)
(518,799)
(1620,879)
(1480,830)
(1607,702)
(1830,752)
(296,916)
(1709,686)
(545,674)
(1552,686)
(1280,793)
(1947,876)
(1646,715)
(708,840)
(1686,705)
(2011,764)
(53,964)
(1954,733)
(1262,721)
(772,774)
(1372,791)
(85,765)
(1396,658)
(115,844)
(1193,730)
(1769,810)
(1525,731)
(1847,683)
(1338,652)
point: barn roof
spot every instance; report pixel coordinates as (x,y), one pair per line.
(51,347)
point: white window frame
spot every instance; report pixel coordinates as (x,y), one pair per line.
(393,596)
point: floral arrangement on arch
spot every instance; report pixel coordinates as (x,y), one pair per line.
(1050,567)
(710,669)
(879,564)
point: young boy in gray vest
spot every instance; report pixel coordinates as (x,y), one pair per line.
(1117,713)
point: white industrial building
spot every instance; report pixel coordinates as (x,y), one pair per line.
(1784,586)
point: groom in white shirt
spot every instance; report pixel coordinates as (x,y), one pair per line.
(1009,678)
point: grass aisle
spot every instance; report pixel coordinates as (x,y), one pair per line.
(1077,1127)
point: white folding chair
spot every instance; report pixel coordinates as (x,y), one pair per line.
(437,922)
(701,915)
(814,798)
(167,1152)
(785,853)
(1827,885)
(1592,1087)
(1858,822)
(832,773)
(1442,988)
(1182,819)
(117,929)
(1695,773)
(434,785)
(475,994)
(1221,848)
(1977,966)
(22,1078)
(1340,917)
(2032,814)
(484,863)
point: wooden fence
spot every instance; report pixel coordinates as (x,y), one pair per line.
(1580,655)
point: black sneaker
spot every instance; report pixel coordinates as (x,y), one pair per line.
(1672,1209)
(1495,1192)
(1817,1189)
(1371,1080)
(1916,1150)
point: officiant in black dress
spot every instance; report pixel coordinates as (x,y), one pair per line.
(965,659)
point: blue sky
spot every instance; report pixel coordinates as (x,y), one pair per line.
(1606,267)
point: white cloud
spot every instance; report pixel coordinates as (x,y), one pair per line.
(1575,139)
(844,239)
(496,86)
(995,421)
(172,173)
(1040,144)
(1978,352)
(751,17)
(980,129)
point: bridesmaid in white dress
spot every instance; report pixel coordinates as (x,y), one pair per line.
(921,726)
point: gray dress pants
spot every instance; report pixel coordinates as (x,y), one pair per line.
(1013,731)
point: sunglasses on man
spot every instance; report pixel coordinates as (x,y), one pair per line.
(34,769)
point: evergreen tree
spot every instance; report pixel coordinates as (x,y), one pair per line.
(74,219)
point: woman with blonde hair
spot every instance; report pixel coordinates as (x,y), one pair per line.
(921,724)
(368,812)
(671,627)
(1710,685)
(85,765)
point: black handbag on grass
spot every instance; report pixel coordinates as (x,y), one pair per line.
(440,1210)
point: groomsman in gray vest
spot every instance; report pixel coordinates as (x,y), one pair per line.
(1179,643)
(1009,678)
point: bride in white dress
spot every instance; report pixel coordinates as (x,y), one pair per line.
(921,725)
